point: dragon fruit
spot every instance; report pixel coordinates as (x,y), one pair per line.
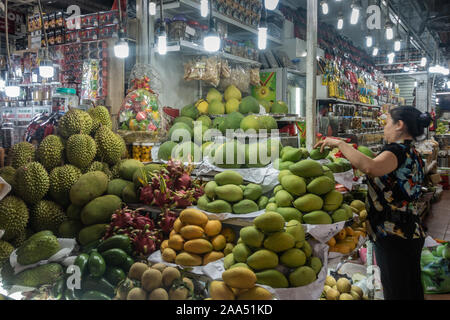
(167,221)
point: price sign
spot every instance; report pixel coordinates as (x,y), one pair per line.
(9,113)
(24,114)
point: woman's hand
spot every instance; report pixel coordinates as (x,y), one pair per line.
(328,142)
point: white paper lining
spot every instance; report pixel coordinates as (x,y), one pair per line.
(6,189)
(345,178)
(67,246)
(226,216)
(324,232)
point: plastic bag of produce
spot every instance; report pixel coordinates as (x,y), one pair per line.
(436,269)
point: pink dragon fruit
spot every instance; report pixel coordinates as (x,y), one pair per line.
(167,221)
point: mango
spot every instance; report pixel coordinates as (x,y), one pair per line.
(283,174)
(212,256)
(255,293)
(228,177)
(263,259)
(229,192)
(241,252)
(229,234)
(272,278)
(228,261)
(272,200)
(210,189)
(219,290)
(193,216)
(219,242)
(290,214)
(292,155)
(317,217)
(302,276)
(358,204)
(308,203)
(213,228)
(328,173)
(348,210)
(116,186)
(339,215)
(332,200)
(315,264)
(252,237)
(198,246)
(315,154)
(279,242)
(219,206)
(202,202)
(245,206)
(228,248)
(294,185)
(285,165)
(191,232)
(293,258)
(296,230)
(240,278)
(253,192)
(283,199)
(307,249)
(240,265)
(100,210)
(277,189)
(306,169)
(269,222)
(320,186)
(272,207)
(176,242)
(263,202)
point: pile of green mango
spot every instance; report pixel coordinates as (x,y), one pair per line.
(228,194)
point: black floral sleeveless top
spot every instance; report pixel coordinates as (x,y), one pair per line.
(392,199)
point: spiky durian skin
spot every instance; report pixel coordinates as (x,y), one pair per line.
(32,182)
(21,153)
(14,217)
(110,147)
(81,150)
(50,152)
(61,180)
(47,215)
(75,121)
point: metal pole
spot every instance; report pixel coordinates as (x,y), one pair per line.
(142,45)
(311,72)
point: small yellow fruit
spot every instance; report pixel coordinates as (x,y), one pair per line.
(344,285)
(332,294)
(330,281)
(345,296)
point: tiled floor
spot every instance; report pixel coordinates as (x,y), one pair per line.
(438,221)
(438,224)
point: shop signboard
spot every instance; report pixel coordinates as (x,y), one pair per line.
(9,114)
(24,114)
(267,89)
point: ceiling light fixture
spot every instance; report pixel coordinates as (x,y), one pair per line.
(271,4)
(325,8)
(211,42)
(340,23)
(152,8)
(356,8)
(204,8)
(262,30)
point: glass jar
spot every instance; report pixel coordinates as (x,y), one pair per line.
(177,29)
(137,151)
(228,45)
(146,152)
(63,99)
(193,31)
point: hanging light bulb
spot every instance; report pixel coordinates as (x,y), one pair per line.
(375,51)
(162,43)
(152,8)
(204,8)
(121,49)
(423,62)
(262,31)
(391,57)
(271,4)
(397,45)
(369,41)
(356,7)
(389,31)
(325,8)
(12,90)
(211,42)
(340,23)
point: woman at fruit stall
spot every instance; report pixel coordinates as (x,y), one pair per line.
(394,178)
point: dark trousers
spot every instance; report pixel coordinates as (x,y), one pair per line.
(399,262)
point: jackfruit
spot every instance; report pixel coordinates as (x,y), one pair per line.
(21,153)
(263,259)
(252,237)
(38,248)
(245,206)
(90,186)
(100,210)
(309,203)
(253,191)
(32,182)
(272,278)
(269,222)
(307,169)
(38,276)
(50,152)
(302,276)
(69,229)
(116,186)
(61,181)
(47,215)
(128,167)
(5,251)
(129,194)
(75,121)
(230,193)
(14,217)
(110,147)
(81,150)
(294,185)
(320,186)
(100,117)
(99,166)
(279,242)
